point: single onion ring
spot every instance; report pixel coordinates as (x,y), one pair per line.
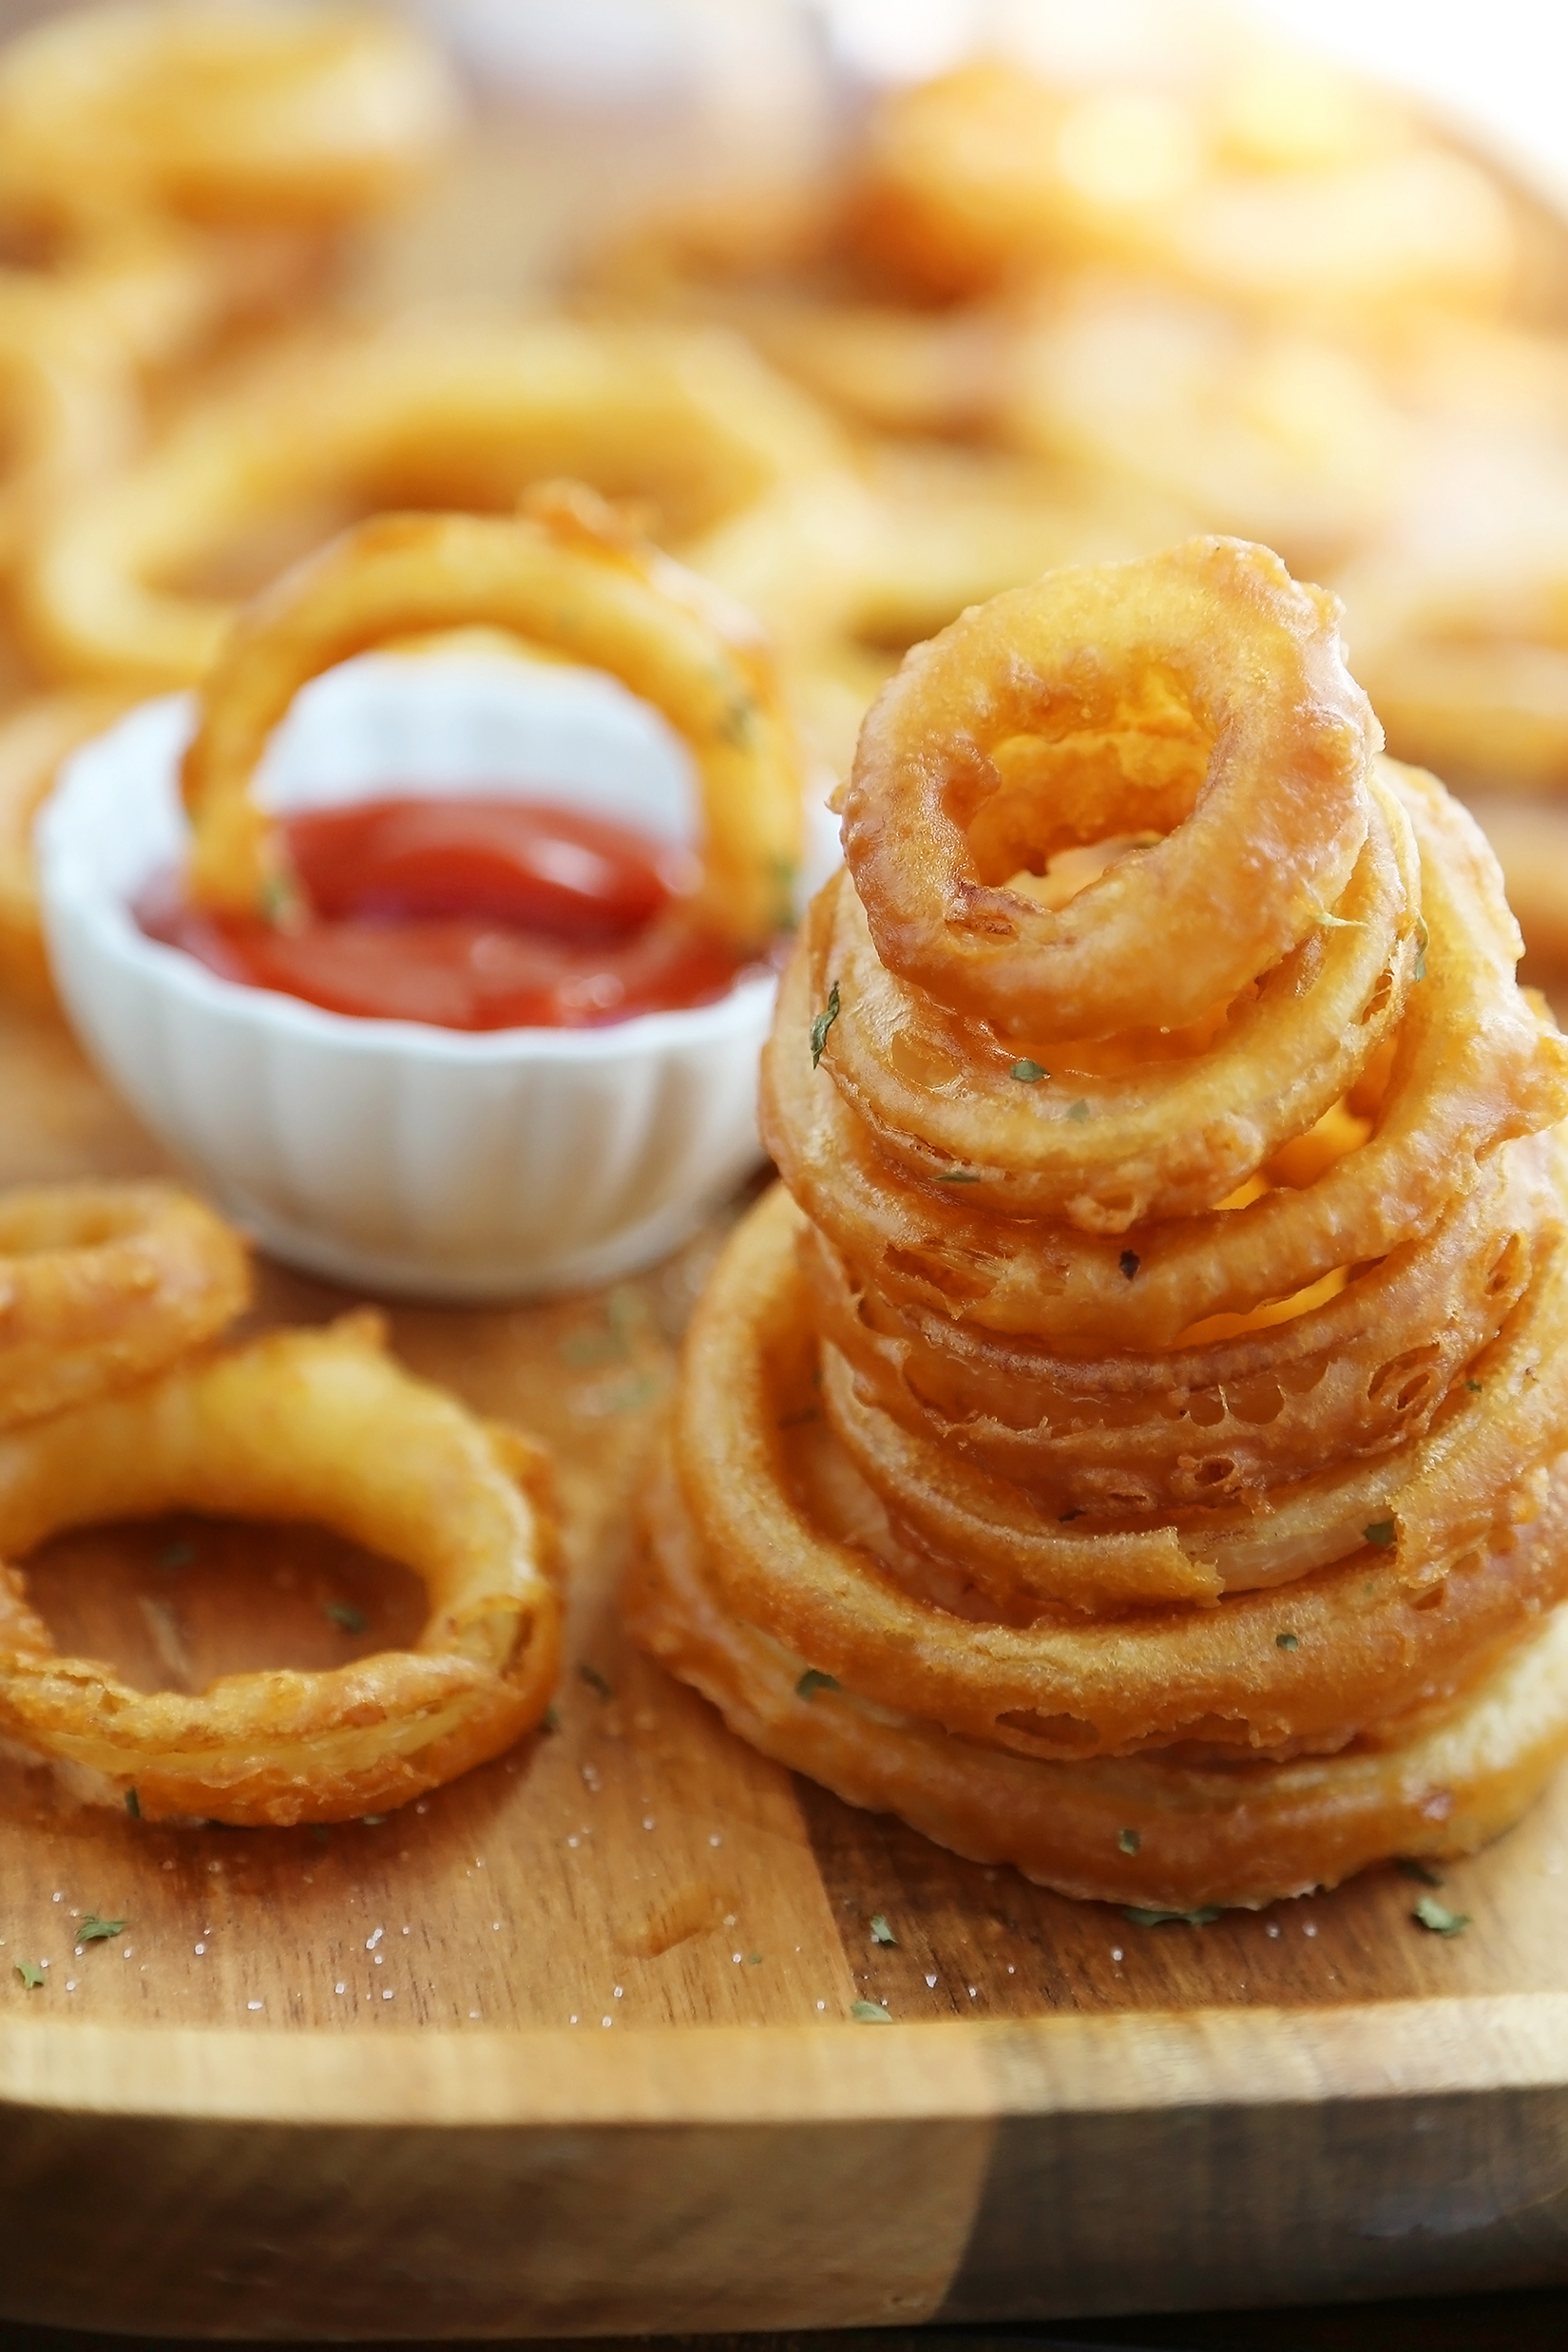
(218,114)
(317,1426)
(1366,1640)
(1155,1830)
(34,739)
(1210,646)
(103,1284)
(563,576)
(70,405)
(690,424)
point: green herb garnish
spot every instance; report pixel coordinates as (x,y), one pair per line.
(869,2013)
(595,1680)
(1160,1919)
(1029,1073)
(1286,1641)
(957,1176)
(1129,1262)
(1423,943)
(812,1681)
(346,1616)
(1078,1110)
(133,1805)
(823,1023)
(31,1976)
(753,1959)
(1129,1840)
(1381,1532)
(94,1930)
(1474,1387)
(549,1722)
(881,1932)
(1437,1918)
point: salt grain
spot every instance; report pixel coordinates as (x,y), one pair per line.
(255,2004)
(1115,1951)
(340,1988)
(715,1841)
(199,1949)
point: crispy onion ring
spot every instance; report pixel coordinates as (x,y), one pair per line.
(235,113)
(296,1425)
(1174,1408)
(1142,694)
(565,577)
(72,410)
(103,1284)
(34,741)
(689,424)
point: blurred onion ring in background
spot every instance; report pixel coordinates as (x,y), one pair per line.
(103,1284)
(312,1426)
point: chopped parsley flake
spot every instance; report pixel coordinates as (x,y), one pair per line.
(823,1023)
(869,2013)
(31,1976)
(346,1616)
(957,1176)
(1381,1532)
(133,1805)
(1129,1262)
(1129,1840)
(813,1680)
(595,1680)
(550,1720)
(881,1932)
(1078,1110)
(1412,1867)
(1160,1919)
(753,1959)
(1423,943)
(94,1930)
(1437,1918)
(1474,1387)
(1286,1641)
(1029,1073)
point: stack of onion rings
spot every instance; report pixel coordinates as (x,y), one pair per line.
(1139,1448)
(567,575)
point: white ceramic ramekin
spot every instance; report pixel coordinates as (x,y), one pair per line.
(388,1155)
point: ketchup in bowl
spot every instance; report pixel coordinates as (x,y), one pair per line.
(466,912)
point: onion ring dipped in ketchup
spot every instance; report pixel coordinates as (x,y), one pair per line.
(474,912)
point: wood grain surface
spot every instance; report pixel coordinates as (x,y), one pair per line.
(569,2047)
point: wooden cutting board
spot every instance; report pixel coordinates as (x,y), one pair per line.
(569,2047)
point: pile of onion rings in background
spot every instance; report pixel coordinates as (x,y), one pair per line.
(115,1404)
(1135,1446)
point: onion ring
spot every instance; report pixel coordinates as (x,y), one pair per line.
(34,741)
(296,1424)
(314,116)
(563,576)
(933,833)
(103,1284)
(689,423)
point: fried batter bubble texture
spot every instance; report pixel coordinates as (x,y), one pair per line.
(1133,1444)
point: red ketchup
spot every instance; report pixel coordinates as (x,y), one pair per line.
(466,913)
